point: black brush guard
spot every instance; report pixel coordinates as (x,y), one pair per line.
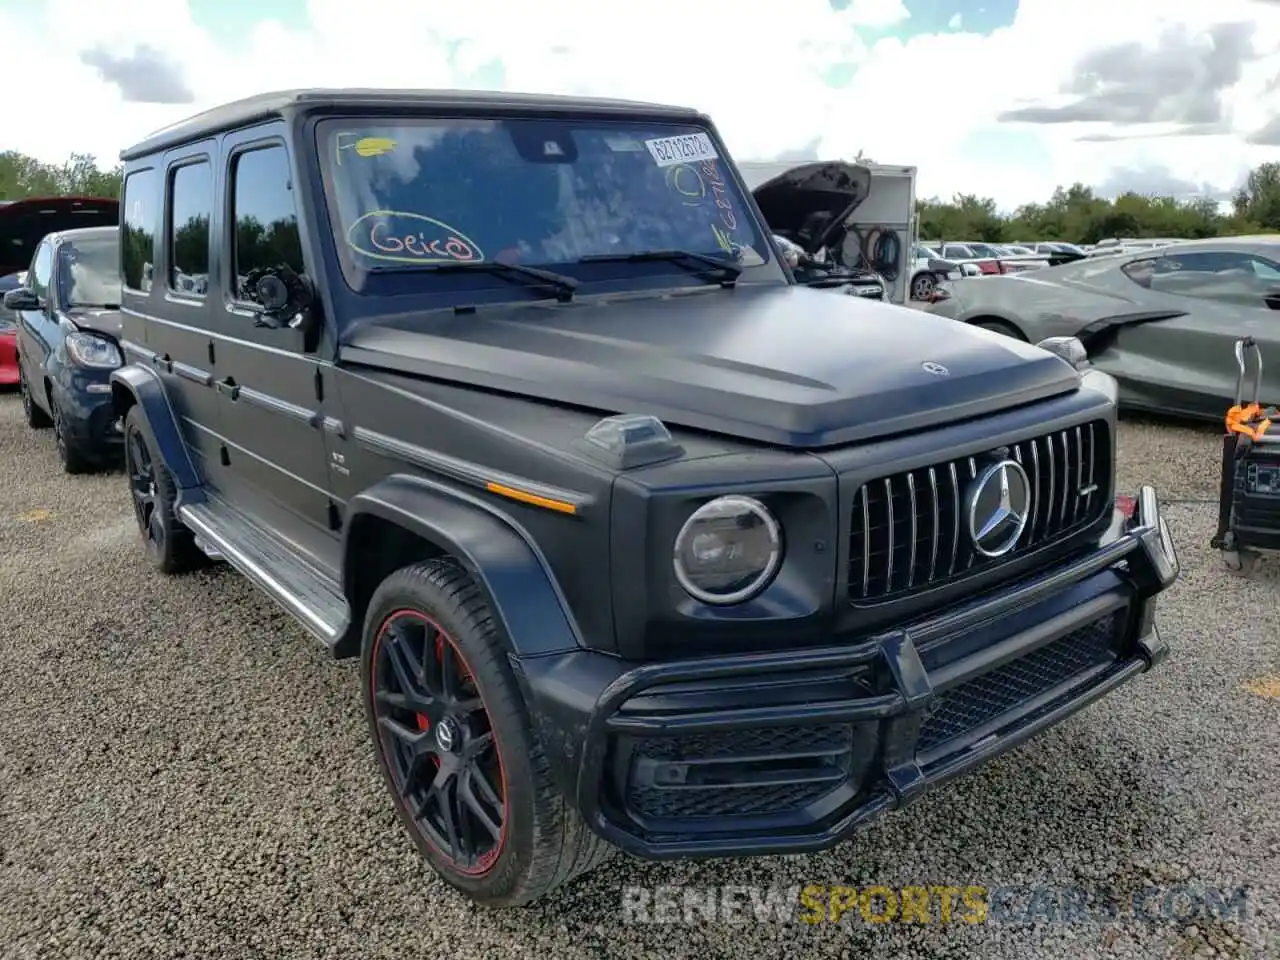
(837,735)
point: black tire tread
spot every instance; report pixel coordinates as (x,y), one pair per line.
(74,460)
(181,555)
(37,419)
(564,847)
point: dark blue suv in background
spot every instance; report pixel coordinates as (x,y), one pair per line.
(68,323)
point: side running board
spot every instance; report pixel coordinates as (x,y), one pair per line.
(310,595)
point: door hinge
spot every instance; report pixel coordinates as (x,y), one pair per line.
(319,385)
(212,361)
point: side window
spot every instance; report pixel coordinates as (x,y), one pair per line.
(1266,271)
(40,276)
(138,244)
(1225,276)
(1140,271)
(187,230)
(263,211)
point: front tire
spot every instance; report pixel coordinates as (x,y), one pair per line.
(36,418)
(923,285)
(73,459)
(170,546)
(456,747)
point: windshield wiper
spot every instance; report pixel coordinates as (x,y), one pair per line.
(563,285)
(699,263)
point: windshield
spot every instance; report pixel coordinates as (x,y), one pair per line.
(89,272)
(414,193)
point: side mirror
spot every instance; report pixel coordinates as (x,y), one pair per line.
(21,299)
(1271,298)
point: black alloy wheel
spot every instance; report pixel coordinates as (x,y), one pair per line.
(142,486)
(438,741)
(170,546)
(456,745)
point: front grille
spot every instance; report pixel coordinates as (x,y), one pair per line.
(741,773)
(986,697)
(909,531)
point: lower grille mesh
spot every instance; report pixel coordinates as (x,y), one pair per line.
(983,699)
(740,773)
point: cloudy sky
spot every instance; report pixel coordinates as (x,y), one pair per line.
(1002,98)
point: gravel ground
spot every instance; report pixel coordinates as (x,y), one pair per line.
(184,773)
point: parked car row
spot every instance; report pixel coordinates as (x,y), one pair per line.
(1161,317)
(60,321)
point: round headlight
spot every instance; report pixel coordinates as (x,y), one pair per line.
(728,550)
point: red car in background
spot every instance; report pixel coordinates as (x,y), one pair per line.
(23,224)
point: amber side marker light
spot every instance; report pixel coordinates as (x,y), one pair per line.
(533,499)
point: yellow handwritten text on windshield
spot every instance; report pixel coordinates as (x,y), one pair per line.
(701,184)
(404,237)
(688,183)
(363,146)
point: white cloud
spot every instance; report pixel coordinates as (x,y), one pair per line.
(955,21)
(760,76)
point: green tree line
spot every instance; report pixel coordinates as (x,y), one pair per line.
(80,176)
(1078,215)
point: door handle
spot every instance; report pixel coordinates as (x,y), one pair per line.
(164,362)
(228,387)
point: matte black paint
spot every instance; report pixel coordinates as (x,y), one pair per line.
(354,453)
(778,364)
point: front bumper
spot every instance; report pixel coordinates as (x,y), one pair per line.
(790,752)
(88,413)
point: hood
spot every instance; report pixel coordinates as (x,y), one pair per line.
(809,204)
(98,321)
(24,223)
(784,365)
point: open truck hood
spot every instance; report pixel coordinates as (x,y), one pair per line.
(810,203)
(24,223)
(782,365)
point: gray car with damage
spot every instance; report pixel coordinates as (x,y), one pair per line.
(1162,321)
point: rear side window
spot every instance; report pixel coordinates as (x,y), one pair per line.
(263,211)
(190,204)
(139,218)
(1140,271)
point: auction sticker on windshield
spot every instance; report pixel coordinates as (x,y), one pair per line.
(690,148)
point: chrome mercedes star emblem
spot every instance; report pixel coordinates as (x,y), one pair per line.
(446,735)
(937,369)
(998,508)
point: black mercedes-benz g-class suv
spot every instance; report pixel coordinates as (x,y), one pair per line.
(641,544)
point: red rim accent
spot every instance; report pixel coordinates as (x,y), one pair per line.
(487,861)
